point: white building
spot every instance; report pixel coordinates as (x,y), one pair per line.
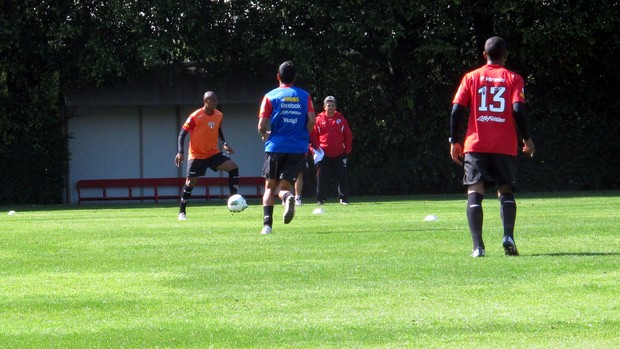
(131,131)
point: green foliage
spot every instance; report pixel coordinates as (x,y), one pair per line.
(91,276)
(573,93)
(394,67)
(33,149)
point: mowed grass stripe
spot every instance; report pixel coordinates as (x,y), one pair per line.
(370,275)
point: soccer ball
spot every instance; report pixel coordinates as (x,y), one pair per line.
(236,203)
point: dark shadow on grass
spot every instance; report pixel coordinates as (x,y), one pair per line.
(111,205)
(570,194)
(573,254)
(257,201)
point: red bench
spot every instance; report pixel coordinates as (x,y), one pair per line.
(162,188)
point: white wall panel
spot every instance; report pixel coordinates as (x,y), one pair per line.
(133,142)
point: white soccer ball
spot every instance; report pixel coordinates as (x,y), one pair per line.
(237,203)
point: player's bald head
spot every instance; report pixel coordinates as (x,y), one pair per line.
(208,95)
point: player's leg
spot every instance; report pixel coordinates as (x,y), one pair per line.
(268,202)
(269,172)
(288,199)
(475,176)
(343,180)
(221,162)
(299,185)
(508,213)
(286,189)
(323,169)
(186,193)
(292,165)
(475,217)
(505,168)
(195,169)
(319,182)
(507,210)
(233,176)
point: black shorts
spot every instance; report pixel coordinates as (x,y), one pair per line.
(493,169)
(198,167)
(283,166)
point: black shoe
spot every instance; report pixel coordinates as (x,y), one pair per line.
(479,252)
(289,209)
(509,246)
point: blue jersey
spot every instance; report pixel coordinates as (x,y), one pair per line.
(287,108)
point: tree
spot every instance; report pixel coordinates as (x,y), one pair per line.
(33,149)
(393,66)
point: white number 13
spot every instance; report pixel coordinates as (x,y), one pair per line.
(498,103)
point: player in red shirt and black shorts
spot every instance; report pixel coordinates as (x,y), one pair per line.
(496,101)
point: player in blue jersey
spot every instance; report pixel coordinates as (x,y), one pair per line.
(285,120)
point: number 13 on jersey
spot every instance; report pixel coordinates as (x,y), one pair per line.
(496,103)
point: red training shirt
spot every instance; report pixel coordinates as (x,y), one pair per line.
(333,134)
(489,92)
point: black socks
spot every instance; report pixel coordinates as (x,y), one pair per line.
(508,212)
(187,193)
(233,181)
(474,218)
(268,215)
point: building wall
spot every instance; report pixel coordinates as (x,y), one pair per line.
(140,141)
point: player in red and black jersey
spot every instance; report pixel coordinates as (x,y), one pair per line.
(496,101)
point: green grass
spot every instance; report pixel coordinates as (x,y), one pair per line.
(370,275)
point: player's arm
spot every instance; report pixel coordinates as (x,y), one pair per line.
(263,128)
(263,118)
(520,114)
(455,118)
(220,133)
(311,119)
(456,150)
(348,138)
(314,137)
(180,142)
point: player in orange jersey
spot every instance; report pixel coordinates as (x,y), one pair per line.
(204,127)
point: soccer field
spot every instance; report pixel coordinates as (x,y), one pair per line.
(373,274)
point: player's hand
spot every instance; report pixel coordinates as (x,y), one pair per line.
(228,149)
(178,160)
(456,153)
(528,147)
(265,137)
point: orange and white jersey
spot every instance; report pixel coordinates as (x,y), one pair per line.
(203,130)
